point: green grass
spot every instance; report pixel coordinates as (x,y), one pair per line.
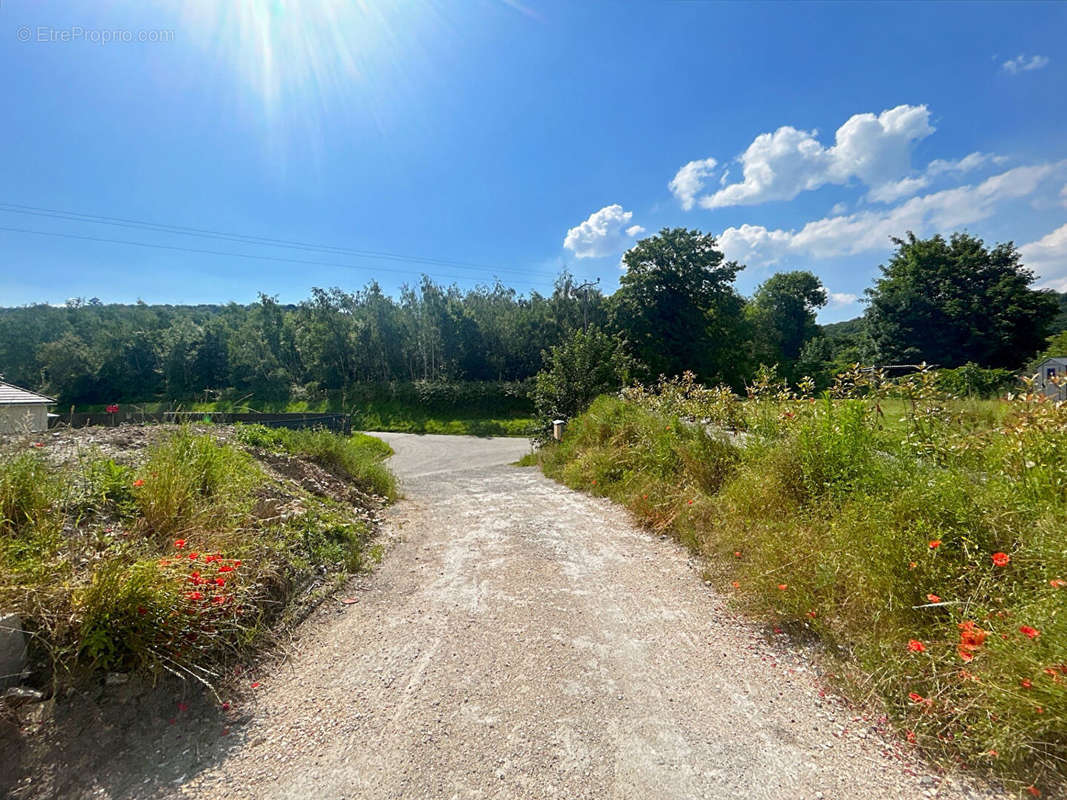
(832,522)
(357,458)
(180,558)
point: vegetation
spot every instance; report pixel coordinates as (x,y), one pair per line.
(183,557)
(919,537)
(440,359)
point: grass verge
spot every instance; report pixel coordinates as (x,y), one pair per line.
(927,553)
(181,556)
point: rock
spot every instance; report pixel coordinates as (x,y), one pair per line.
(12,650)
(19,695)
(116,678)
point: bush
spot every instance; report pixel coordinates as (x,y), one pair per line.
(26,491)
(588,364)
(971,380)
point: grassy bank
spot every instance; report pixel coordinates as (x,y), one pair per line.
(925,546)
(176,549)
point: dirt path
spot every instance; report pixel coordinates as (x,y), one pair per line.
(522,640)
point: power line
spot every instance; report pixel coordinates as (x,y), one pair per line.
(217,252)
(122,222)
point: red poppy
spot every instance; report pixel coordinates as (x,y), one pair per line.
(225,568)
(179,544)
(1057,583)
(910,736)
(255,684)
(935,543)
(971,638)
(183,707)
(912,565)
(916,646)
(194,556)
(811,614)
(933,598)
(1001,559)
(690,502)
(737,554)
(38,444)
(1034,791)
(194,595)
(1026,684)
(220,581)
(1033,633)
(782,587)
(916,697)
(226,706)
(138,482)
(218,599)
(236,564)
(994,753)
(736,585)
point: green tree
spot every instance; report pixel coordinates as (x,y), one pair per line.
(575,372)
(677,307)
(953,302)
(781,318)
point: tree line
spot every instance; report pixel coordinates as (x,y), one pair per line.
(946,301)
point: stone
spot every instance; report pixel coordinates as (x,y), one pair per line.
(12,650)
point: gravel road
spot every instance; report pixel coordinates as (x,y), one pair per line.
(521,640)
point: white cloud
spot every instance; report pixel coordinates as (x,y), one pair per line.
(895,190)
(1048,258)
(841,299)
(1063,195)
(689,180)
(1023,64)
(839,208)
(778,166)
(966,164)
(605,232)
(871,230)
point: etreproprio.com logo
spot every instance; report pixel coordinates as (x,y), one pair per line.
(48,34)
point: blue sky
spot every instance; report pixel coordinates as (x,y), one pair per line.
(517,136)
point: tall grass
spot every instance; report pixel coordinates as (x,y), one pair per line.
(357,458)
(170,563)
(928,550)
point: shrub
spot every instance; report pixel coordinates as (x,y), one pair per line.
(27,491)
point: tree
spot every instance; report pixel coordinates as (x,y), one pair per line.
(781,317)
(677,307)
(575,372)
(953,302)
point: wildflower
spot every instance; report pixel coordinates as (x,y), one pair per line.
(179,544)
(1039,710)
(1033,790)
(225,568)
(915,697)
(935,543)
(811,614)
(236,564)
(218,599)
(971,638)
(226,706)
(220,581)
(690,502)
(782,587)
(194,556)
(1057,583)
(138,482)
(1001,559)
(736,585)
(916,646)
(737,554)
(38,444)
(994,753)
(910,736)
(1032,633)
(912,565)
(933,598)
(194,595)
(255,684)
(1026,684)
(183,707)
(968,676)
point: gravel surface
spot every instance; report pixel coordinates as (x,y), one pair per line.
(522,640)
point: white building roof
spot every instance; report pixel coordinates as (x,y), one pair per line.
(13,395)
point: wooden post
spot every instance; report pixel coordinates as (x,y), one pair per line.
(557,429)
